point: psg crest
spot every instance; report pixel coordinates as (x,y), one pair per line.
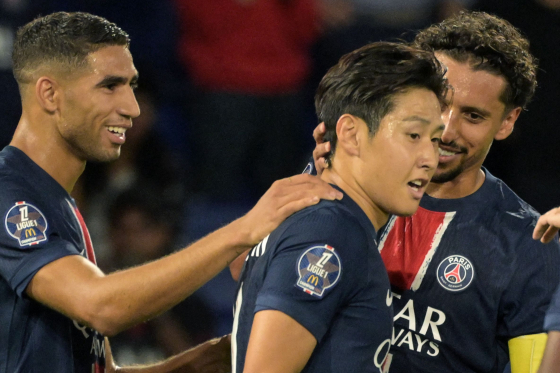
(318,269)
(455,273)
(26,223)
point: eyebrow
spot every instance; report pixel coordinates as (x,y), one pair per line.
(114,79)
(466,109)
(416,118)
(424,121)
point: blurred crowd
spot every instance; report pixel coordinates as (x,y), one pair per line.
(226,94)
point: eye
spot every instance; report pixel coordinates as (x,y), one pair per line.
(474,117)
(111,86)
(414,136)
(436,140)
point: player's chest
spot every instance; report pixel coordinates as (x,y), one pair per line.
(444,253)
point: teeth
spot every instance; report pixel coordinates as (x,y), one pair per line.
(119,130)
(445,152)
(418,183)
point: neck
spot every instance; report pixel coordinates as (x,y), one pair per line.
(349,185)
(463,185)
(50,152)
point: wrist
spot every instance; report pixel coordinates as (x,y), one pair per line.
(241,235)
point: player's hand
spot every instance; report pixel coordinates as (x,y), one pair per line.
(547,226)
(321,148)
(110,366)
(213,356)
(284,197)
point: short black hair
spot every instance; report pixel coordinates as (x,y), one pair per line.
(365,81)
(62,38)
(487,43)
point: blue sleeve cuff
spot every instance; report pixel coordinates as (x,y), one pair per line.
(38,259)
(552,322)
(297,311)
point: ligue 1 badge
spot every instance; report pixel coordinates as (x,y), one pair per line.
(455,273)
(26,223)
(318,269)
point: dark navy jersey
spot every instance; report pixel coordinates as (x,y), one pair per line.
(322,268)
(40,224)
(467,277)
(552,318)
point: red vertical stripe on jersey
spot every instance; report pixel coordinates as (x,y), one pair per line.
(407,244)
(87,239)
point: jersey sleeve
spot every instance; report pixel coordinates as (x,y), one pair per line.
(316,269)
(552,318)
(534,280)
(28,240)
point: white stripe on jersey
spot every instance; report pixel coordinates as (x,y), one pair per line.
(238,303)
(435,243)
(388,229)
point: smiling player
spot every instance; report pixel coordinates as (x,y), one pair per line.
(471,288)
(76,79)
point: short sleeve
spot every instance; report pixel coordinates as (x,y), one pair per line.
(552,318)
(316,269)
(530,290)
(28,240)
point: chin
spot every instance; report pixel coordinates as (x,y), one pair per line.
(406,210)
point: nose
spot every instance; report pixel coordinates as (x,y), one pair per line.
(429,156)
(129,105)
(451,122)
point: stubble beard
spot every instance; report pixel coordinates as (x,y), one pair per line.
(447,175)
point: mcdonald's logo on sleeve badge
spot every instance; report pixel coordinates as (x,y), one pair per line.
(26,223)
(318,269)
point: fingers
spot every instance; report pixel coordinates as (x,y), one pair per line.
(284,198)
(319,132)
(547,226)
(304,186)
(319,156)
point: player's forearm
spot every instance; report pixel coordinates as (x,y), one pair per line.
(551,359)
(128,297)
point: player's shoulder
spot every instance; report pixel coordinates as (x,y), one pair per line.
(513,210)
(340,224)
(330,217)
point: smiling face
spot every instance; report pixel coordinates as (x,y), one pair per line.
(475,117)
(97,105)
(396,164)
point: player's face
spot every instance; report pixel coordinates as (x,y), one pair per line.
(399,161)
(98,105)
(473,119)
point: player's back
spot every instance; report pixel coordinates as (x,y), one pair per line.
(321,267)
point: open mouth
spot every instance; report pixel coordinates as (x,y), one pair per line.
(416,185)
(117,130)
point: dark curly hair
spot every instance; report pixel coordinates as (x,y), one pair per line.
(488,43)
(62,38)
(365,81)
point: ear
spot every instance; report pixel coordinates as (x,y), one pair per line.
(347,135)
(506,128)
(46,92)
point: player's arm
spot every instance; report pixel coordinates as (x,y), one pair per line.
(547,226)
(278,344)
(112,303)
(526,352)
(213,356)
(551,360)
